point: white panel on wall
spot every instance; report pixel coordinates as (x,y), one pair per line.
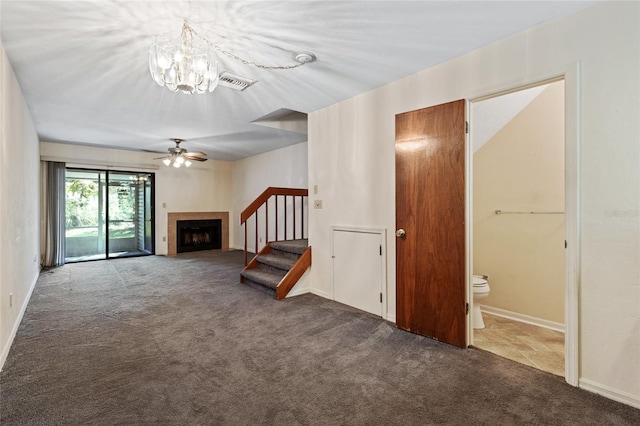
(358,269)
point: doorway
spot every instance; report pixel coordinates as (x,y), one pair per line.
(109,214)
(518,221)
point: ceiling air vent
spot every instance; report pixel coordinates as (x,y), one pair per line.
(234,81)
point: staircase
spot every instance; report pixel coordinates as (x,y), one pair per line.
(278,267)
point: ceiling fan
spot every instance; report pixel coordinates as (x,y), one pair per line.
(179,156)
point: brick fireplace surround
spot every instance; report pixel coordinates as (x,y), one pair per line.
(173,218)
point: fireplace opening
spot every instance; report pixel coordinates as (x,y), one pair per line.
(194,235)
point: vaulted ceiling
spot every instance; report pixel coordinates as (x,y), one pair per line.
(83,65)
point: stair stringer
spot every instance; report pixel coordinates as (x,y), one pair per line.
(294,274)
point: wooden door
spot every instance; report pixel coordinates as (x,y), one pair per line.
(430,212)
(357,270)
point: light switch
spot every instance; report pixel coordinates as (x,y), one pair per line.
(315,189)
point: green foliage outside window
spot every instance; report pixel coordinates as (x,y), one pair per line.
(83,209)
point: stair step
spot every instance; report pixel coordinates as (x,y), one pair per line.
(275,261)
(266,277)
(290,246)
(272,267)
(268,290)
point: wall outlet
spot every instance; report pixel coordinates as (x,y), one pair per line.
(164,205)
(261,239)
(35,258)
(317,204)
(164,238)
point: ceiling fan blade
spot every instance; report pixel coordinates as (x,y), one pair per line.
(198,154)
(162,158)
(189,157)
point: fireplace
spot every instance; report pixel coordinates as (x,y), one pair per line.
(172,227)
(194,235)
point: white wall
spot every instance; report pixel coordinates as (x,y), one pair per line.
(284,167)
(202,187)
(19,205)
(351,159)
(497,112)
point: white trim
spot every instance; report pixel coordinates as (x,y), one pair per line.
(607,392)
(391,318)
(362,229)
(382,233)
(468,217)
(89,164)
(321,293)
(298,292)
(572,224)
(515,316)
(14,330)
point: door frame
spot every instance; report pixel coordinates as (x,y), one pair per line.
(571,79)
(107,171)
(382,234)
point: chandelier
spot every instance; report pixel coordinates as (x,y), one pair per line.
(189,64)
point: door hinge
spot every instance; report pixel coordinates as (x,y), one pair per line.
(467,309)
(380,297)
(380,249)
(466,127)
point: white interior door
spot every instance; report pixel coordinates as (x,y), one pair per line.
(358,269)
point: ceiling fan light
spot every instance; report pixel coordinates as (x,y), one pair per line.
(179,156)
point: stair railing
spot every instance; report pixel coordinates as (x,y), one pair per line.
(289,214)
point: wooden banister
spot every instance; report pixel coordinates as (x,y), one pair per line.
(263,200)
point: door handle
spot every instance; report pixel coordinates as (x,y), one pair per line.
(400,233)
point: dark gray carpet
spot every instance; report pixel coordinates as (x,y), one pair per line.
(177,341)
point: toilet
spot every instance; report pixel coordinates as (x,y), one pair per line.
(480,291)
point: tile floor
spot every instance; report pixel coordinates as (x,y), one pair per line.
(524,343)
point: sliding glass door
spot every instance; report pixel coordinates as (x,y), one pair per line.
(108,214)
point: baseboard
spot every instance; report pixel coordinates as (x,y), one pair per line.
(321,293)
(551,325)
(298,292)
(14,330)
(607,392)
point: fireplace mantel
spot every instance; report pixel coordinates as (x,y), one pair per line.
(173,218)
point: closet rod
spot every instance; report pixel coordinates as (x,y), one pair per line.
(503,212)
